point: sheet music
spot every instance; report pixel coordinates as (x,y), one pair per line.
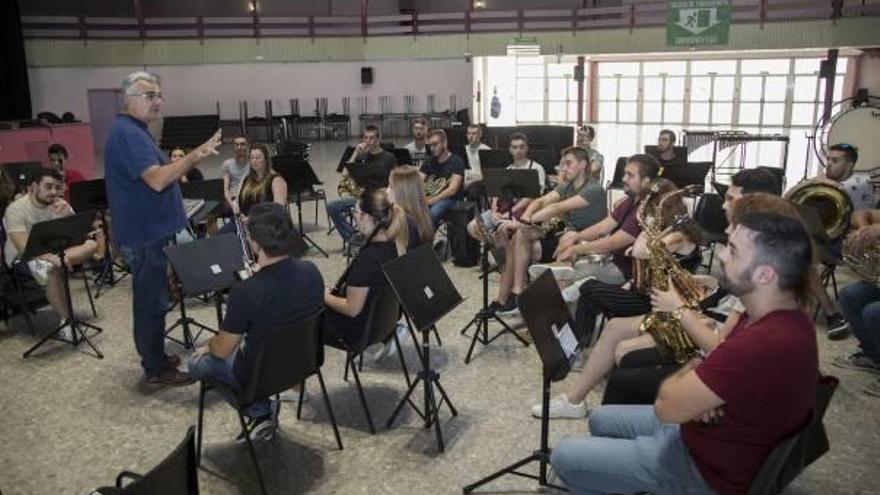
(567,340)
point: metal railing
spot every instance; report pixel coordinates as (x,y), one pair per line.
(637,14)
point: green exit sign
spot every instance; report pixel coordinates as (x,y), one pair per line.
(697,22)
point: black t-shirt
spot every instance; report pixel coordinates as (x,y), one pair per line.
(675,161)
(415,239)
(245,203)
(278,293)
(194,174)
(372,171)
(366,271)
(452,166)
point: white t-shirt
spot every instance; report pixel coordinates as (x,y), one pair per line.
(861,191)
(417,154)
(21,215)
(474,173)
(237,172)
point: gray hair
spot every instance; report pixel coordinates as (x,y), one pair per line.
(131,79)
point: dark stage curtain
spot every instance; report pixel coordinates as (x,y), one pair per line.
(15,95)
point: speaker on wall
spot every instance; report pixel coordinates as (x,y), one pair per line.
(366,75)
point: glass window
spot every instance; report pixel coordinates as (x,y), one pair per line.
(619,68)
(653,88)
(629,89)
(675,88)
(774,113)
(672,68)
(530,111)
(559,89)
(701,88)
(561,70)
(723,89)
(774,88)
(807,65)
(722,113)
(651,112)
(770,66)
(530,89)
(673,112)
(699,113)
(560,111)
(627,112)
(749,113)
(805,88)
(607,111)
(803,114)
(701,67)
(607,89)
(750,89)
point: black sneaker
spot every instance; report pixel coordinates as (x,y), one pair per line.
(494,305)
(511,307)
(258,429)
(838,327)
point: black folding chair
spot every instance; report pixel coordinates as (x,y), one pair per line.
(384,312)
(709,216)
(290,353)
(175,475)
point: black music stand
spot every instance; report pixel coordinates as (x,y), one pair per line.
(549,322)
(92,195)
(692,174)
(426,294)
(203,267)
(300,177)
(519,183)
(497,159)
(55,236)
(211,192)
(22,174)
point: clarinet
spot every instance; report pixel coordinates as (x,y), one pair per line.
(247,257)
(337,289)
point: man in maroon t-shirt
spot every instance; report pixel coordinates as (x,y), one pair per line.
(57,159)
(715,421)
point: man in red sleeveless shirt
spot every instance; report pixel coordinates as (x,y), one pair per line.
(715,421)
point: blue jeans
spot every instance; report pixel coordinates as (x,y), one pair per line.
(149,301)
(860,304)
(336,210)
(209,367)
(629,451)
(439,209)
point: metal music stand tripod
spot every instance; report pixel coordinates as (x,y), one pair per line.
(55,236)
(92,195)
(203,267)
(507,184)
(426,294)
(300,178)
(548,318)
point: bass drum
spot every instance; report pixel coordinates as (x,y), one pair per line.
(860,127)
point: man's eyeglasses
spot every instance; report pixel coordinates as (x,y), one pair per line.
(151,95)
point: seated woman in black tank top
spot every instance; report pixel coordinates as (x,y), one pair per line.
(406,189)
(384,225)
(261,185)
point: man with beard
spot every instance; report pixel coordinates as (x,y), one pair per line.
(474,174)
(665,151)
(235,169)
(44,201)
(442,165)
(418,152)
(714,422)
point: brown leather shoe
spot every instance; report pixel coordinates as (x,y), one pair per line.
(171,378)
(173,360)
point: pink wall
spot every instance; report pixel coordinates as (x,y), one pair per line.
(32,143)
(196,89)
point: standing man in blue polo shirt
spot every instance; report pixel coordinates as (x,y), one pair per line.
(147,210)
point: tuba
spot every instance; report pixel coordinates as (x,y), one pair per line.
(830,201)
(863,258)
(672,339)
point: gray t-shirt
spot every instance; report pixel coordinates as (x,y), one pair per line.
(20,216)
(237,172)
(596,208)
(417,154)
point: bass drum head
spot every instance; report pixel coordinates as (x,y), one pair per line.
(859,127)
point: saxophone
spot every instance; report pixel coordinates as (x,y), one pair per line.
(672,339)
(347,187)
(434,184)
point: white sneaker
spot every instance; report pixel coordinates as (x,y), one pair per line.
(388,349)
(563,272)
(561,408)
(40,270)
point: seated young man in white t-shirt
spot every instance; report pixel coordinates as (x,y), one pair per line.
(44,201)
(510,207)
